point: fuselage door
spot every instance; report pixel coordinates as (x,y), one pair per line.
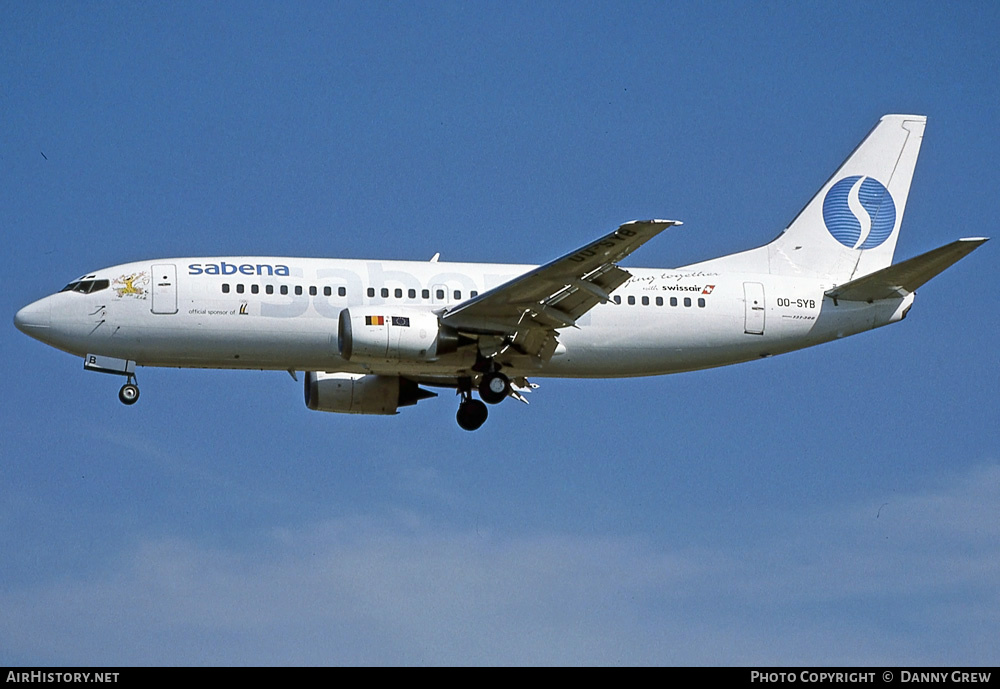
(753,293)
(165,288)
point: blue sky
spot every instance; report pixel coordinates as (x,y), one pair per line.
(832,506)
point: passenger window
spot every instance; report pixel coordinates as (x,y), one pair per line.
(284,289)
(659,301)
(269,289)
(687,301)
(328,291)
(239,288)
(255,289)
(398,293)
(385,292)
(440,294)
(473,294)
(225,288)
(458,294)
(342,291)
(425,294)
(645,301)
(701,303)
(631,300)
(412,293)
(370,292)
(298,290)
(618,299)
(673,301)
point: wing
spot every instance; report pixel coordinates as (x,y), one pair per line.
(524,313)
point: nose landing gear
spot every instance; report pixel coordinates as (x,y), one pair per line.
(129,393)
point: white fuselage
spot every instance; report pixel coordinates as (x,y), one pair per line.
(282,313)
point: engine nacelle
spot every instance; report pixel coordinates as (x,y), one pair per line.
(350,393)
(390,334)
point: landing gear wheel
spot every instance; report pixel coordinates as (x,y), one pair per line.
(471,414)
(494,388)
(129,394)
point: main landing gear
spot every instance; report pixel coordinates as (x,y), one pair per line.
(494,388)
(471,413)
(129,394)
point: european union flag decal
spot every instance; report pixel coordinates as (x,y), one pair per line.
(402,321)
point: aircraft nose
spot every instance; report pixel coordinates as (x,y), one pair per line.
(34,317)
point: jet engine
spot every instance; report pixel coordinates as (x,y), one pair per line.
(392,334)
(350,393)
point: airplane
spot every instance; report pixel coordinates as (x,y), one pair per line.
(372,336)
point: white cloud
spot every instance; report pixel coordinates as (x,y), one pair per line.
(914,583)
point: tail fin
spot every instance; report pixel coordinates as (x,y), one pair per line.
(849,228)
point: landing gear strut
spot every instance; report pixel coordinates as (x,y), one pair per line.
(129,394)
(471,412)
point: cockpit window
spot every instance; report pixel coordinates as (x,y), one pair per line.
(86,286)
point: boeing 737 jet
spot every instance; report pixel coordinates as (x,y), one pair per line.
(374,336)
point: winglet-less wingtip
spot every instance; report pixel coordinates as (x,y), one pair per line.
(654,221)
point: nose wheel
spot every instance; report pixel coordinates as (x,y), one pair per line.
(129,393)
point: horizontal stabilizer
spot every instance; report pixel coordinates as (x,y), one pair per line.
(904,278)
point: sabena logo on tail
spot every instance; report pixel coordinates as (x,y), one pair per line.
(859,212)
